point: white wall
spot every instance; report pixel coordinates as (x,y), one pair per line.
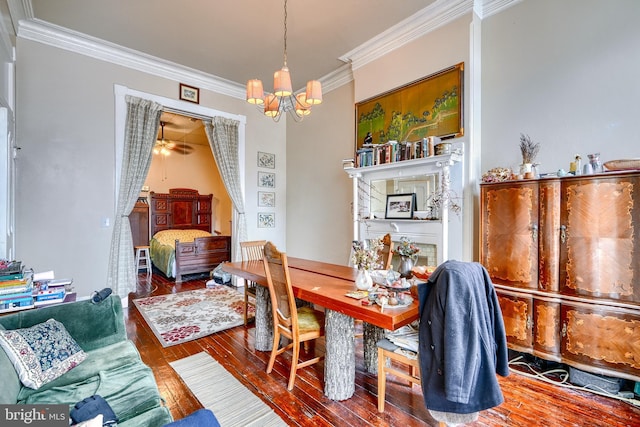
(565,73)
(318,190)
(66,168)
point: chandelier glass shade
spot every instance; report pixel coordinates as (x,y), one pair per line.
(283,99)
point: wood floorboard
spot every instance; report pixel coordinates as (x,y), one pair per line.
(528,401)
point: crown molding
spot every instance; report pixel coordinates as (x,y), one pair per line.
(339,77)
(63,38)
(420,23)
(19,10)
(436,15)
(486,8)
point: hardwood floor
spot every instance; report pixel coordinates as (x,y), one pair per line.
(528,402)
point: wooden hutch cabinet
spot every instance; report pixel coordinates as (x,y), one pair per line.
(564,255)
(139,222)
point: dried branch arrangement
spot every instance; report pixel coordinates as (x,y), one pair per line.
(528,148)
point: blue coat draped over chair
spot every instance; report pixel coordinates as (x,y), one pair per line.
(462,342)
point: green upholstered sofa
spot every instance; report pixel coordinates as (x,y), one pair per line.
(113,367)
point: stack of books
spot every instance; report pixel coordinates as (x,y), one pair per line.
(394,151)
(16,287)
(50,291)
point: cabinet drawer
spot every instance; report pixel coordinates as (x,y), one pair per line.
(604,340)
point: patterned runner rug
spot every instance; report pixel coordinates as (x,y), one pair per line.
(232,403)
(186,316)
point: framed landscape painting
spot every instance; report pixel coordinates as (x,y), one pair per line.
(431,106)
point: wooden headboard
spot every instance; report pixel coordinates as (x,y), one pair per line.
(181,208)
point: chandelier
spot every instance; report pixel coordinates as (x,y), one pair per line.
(283,100)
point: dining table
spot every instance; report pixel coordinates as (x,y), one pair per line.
(327,285)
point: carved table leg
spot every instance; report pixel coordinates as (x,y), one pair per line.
(264,320)
(340,360)
(370,336)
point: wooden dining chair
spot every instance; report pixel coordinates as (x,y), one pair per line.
(387,355)
(298,325)
(386,254)
(250,251)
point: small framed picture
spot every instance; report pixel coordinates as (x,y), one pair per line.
(266,220)
(400,206)
(266,199)
(189,93)
(266,160)
(266,179)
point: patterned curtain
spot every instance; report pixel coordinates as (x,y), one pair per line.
(141,131)
(223,138)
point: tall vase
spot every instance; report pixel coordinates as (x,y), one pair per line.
(406,264)
(363,279)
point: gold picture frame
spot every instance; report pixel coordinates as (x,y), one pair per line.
(431,106)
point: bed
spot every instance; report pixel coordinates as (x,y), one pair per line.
(182,241)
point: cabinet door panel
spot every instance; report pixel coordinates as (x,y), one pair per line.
(549,236)
(546,329)
(516,314)
(608,339)
(509,233)
(600,245)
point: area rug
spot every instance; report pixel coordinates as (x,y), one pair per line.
(186,316)
(232,403)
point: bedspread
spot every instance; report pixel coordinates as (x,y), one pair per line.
(162,248)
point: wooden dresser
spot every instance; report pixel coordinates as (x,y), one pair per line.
(139,221)
(564,255)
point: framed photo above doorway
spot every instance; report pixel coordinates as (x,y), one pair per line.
(189,93)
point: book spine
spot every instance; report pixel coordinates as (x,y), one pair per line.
(48,297)
(11,277)
(15,296)
(39,303)
(16,282)
(14,290)
(19,304)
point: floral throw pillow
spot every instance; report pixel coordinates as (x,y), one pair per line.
(41,353)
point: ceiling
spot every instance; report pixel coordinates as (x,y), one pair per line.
(236,40)
(182,131)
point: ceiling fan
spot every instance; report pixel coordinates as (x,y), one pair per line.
(164,146)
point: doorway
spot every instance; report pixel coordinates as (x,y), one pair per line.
(183,159)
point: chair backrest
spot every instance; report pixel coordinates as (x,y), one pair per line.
(282,299)
(252,250)
(387,252)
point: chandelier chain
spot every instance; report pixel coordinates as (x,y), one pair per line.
(285,33)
